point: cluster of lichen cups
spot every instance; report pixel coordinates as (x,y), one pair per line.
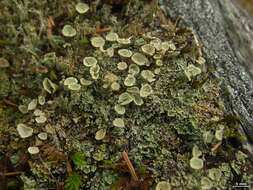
(133,62)
(40,118)
(154,50)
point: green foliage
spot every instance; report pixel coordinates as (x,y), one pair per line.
(73,182)
(78,159)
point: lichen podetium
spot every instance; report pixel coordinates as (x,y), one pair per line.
(83,83)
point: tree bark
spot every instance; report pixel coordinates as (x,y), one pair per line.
(226,33)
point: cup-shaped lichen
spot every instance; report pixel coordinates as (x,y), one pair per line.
(24,131)
(72,84)
(157,44)
(74,87)
(135,93)
(125,53)
(159,62)
(196,163)
(97,42)
(148,49)
(38,112)
(41,100)
(125,98)
(165,46)
(192,71)
(70,80)
(32,105)
(100,134)
(118,122)
(163,185)
(133,69)
(137,99)
(110,77)
(90,61)
(41,119)
(110,51)
(94,71)
(206,183)
(219,133)
(68,31)
(129,80)
(4,63)
(133,90)
(82,8)
(208,136)
(196,152)
(214,174)
(148,75)
(49,86)
(85,82)
(33,150)
(157,71)
(119,109)
(112,36)
(115,86)
(42,136)
(23,109)
(124,40)
(139,59)
(122,66)
(146,90)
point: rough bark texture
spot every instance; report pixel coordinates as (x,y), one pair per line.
(226,32)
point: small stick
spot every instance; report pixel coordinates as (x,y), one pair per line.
(50,25)
(69,168)
(9,174)
(130,166)
(10,103)
(102,30)
(40,69)
(215,147)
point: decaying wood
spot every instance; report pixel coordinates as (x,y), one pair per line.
(226,32)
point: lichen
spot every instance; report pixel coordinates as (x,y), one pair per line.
(83,85)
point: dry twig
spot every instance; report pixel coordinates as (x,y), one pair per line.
(216,146)
(130,166)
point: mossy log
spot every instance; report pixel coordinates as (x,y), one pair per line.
(156,123)
(225,31)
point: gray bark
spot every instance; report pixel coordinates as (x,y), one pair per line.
(226,32)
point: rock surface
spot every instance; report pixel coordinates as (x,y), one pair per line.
(226,33)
